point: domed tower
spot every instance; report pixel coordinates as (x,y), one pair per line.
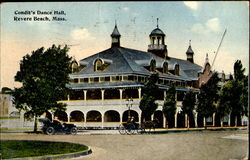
(190,53)
(115,37)
(157,43)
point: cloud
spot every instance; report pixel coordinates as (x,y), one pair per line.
(81,34)
(126,9)
(211,25)
(191,5)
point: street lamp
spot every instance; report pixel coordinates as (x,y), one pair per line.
(129,105)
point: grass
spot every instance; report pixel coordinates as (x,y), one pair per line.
(4,118)
(23,148)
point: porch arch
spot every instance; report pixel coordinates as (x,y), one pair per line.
(94,116)
(61,115)
(76,116)
(111,116)
(132,113)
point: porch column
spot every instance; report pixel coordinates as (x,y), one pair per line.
(152,116)
(85,94)
(102,121)
(139,117)
(186,122)
(120,117)
(195,119)
(164,94)
(68,97)
(139,93)
(213,119)
(204,121)
(164,121)
(175,120)
(121,90)
(229,119)
(85,118)
(102,94)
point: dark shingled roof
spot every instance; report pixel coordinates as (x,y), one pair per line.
(115,32)
(190,50)
(129,61)
(157,31)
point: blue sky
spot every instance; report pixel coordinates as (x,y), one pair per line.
(89,25)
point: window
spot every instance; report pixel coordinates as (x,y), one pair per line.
(107,79)
(96,79)
(102,79)
(160,81)
(74,67)
(98,65)
(177,70)
(84,80)
(131,78)
(116,78)
(91,80)
(165,67)
(125,78)
(76,80)
(153,66)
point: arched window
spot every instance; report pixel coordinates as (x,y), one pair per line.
(152,66)
(98,66)
(165,67)
(74,67)
(177,70)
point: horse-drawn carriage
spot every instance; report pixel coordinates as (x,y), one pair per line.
(131,127)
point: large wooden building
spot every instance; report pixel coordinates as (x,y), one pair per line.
(101,84)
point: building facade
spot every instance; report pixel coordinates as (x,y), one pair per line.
(101,84)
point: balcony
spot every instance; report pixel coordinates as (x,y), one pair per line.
(156,47)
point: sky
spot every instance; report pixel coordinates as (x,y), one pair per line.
(88,25)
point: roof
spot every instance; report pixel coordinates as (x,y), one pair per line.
(157,31)
(115,32)
(190,50)
(130,61)
(105,85)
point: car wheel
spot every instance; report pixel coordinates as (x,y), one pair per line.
(73,130)
(50,131)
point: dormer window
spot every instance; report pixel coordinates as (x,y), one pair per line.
(177,70)
(165,67)
(98,66)
(152,65)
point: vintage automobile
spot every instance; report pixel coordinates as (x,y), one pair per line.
(57,127)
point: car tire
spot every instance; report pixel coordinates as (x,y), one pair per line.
(73,130)
(50,131)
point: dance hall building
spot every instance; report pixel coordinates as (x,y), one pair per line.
(108,84)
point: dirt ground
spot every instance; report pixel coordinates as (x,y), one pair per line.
(214,145)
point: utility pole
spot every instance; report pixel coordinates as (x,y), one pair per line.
(219,47)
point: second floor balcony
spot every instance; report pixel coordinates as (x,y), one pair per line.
(156,47)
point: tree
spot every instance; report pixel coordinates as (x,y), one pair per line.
(44,75)
(208,97)
(239,71)
(169,106)
(234,94)
(188,105)
(150,92)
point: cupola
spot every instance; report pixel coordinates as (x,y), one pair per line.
(157,42)
(190,53)
(115,37)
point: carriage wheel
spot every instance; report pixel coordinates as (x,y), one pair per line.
(141,129)
(130,128)
(122,129)
(73,131)
(50,131)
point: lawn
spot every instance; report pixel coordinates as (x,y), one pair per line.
(19,149)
